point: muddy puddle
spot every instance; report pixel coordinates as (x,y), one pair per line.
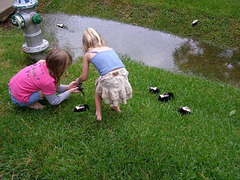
(152,48)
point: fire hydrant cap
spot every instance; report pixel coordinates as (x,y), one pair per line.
(25,4)
(36,19)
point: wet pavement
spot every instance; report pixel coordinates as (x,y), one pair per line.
(152,48)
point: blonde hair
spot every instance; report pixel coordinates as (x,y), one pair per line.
(58,61)
(91,39)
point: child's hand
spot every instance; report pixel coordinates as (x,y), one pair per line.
(74,90)
(77,81)
(73,84)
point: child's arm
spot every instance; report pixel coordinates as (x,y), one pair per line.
(62,88)
(84,74)
(55,99)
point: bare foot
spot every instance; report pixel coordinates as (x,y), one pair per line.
(36,105)
(98,116)
(116,108)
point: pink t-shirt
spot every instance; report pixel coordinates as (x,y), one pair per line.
(31,79)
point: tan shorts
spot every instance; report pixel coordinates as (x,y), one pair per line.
(114,87)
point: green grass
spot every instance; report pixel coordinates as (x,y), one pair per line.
(218,19)
(148,140)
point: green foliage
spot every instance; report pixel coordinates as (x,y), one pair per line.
(148,140)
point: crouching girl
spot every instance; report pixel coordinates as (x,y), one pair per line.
(42,79)
(112,86)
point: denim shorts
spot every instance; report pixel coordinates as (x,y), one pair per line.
(34,97)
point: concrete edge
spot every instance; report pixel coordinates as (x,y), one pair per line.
(5,14)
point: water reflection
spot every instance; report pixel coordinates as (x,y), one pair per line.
(153,48)
(209,61)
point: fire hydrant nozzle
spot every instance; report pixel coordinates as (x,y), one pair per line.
(18,21)
(36,19)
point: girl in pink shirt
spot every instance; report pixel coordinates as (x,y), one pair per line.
(42,79)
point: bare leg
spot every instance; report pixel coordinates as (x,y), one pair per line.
(98,104)
(36,105)
(116,108)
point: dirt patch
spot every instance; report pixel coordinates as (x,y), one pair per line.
(7,25)
(42,5)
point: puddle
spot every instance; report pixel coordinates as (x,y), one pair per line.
(153,48)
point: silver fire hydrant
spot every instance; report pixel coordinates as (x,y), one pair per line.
(27,19)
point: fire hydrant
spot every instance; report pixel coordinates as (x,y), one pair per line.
(27,19)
